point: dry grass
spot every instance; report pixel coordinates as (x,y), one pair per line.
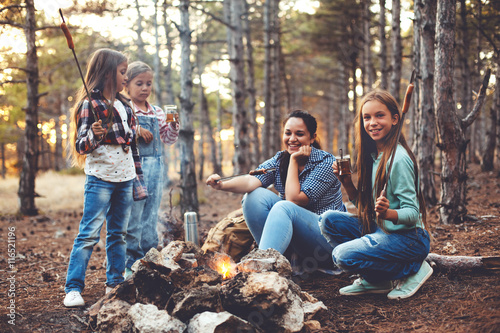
(57,192)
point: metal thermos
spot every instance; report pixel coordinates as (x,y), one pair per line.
(191,227)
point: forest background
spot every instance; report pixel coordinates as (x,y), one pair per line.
(234,68)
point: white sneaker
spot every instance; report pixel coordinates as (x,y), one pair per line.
(73,299)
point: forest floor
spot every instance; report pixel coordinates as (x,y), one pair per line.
(450,301)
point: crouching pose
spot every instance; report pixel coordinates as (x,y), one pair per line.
(387,240)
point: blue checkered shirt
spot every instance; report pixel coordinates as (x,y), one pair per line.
(317,181)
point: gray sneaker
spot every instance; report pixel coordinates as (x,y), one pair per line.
(408,287)
(361,286)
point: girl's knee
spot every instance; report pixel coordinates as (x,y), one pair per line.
(341,258)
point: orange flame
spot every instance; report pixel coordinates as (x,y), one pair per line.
(224,266)
(225,269)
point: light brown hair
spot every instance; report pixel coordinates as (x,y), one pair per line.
(365,147)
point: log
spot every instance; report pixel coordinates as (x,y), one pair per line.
(463,263)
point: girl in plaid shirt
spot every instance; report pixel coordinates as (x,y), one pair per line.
(307,187)
(104,142)
(154,131)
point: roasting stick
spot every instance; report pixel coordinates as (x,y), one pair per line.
(71,45)
(251,173)
(404,110)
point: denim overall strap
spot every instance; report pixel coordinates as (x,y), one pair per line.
(155,147)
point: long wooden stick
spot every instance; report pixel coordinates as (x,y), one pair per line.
(71,45)
(251,173)
(404,110)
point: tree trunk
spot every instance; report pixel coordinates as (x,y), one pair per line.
(452,143)
(189,195)
(487,161)
(168,69)
(156,62)
(220,156)
(252,100)
(397,50)
(477,129)
(2,154)
(413,134)
(384,81)
(59,149)
(426,130)
(451,130)
(140,42)
(237,73)
(276,100)
(367,59)
(29,170)
(201,128)
(344,121)
(266,130)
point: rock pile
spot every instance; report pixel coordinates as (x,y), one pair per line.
(182,290)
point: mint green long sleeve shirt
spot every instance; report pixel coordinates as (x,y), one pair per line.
(401,191)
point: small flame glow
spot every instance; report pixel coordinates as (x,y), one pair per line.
(223,264)
(225,269)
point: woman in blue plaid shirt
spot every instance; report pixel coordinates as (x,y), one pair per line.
(104,142)
(307,187)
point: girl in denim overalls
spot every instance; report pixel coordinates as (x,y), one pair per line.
(153,131)
(104,141)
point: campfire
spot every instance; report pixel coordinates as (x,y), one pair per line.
(181,289)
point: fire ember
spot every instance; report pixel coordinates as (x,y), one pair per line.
(180,289)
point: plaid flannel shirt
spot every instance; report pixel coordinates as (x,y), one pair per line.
(86,142)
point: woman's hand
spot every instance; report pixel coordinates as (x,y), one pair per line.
(381,207)
(98,130)
(212,181)
(302,155)
(146,135)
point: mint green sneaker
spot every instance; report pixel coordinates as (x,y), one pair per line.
(361,286)
(128,274)
(409,286)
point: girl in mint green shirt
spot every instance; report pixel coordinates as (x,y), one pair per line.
(386,242)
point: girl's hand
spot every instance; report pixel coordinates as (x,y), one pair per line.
(98,130)
(146,135)
(381,206)
(344,179)
(212,181)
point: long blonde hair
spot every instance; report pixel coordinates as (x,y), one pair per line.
(365,147)
(101,75)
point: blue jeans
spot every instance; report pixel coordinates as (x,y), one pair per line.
(281,224)
(377,256)
(101,200)
(142,233)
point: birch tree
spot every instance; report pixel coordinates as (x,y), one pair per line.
(189,195)
(452,141)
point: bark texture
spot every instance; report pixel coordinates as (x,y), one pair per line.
(26,191)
